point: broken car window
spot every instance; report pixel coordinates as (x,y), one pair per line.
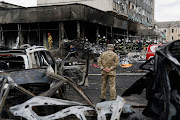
(9,63)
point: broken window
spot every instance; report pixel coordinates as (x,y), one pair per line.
(46,59)
(42,59)
(9,63)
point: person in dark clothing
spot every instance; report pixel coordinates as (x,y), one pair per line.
(72,55)
(139,46)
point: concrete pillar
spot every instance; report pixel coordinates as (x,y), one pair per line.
(106,32)
(97,33)
(111,40)
(61,33)
(45,40)
(28,37)
(0,36)
(127,34)
(39,37)
(111,32)
(78,30)
(20,35)
(82,34)
(97,30)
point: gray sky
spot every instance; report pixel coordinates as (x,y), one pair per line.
(167,10)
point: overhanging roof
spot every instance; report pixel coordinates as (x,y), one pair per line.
(149,32)
(5,5)
(61,13)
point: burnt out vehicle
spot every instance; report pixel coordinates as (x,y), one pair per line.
(30,57)
(26,57)
(161,84)
(37,94)
(76,67)
(31,89)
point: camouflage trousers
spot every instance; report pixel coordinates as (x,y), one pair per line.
(112,86)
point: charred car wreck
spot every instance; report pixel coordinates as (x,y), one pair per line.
(34,86)
(19,85)
(39,94)
(76,69)
(30,57)
(161,83)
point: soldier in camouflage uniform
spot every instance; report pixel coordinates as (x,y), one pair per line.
(108,62)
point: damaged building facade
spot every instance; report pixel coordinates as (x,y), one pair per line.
(141,11)
(171,30)
(154,35)
(70,20)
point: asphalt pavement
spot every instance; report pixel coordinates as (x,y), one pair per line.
(123,82)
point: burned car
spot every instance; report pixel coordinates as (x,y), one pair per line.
(29,57)
(26,57)
(39,94)
(77,69)
(161,83)
(34,87)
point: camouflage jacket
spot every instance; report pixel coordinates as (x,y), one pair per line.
(108,59)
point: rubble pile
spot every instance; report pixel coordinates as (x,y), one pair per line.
(83,44)
(121,45)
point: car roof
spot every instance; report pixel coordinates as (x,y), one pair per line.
(18,51)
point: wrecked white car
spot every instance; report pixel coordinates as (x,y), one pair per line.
(27,57)
(39,94)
